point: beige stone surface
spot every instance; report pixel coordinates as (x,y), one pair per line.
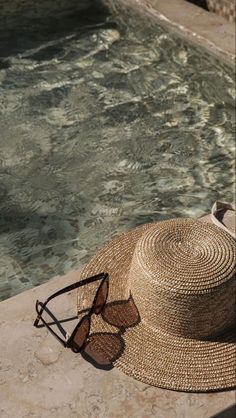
(39,378)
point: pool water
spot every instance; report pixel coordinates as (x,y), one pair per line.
(104,126)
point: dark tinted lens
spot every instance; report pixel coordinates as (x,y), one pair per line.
(81,334)
(121,314)
(101,296)
(103,349)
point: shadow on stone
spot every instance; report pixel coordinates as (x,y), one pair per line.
(226,413)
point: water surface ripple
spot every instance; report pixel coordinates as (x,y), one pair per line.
(103,129)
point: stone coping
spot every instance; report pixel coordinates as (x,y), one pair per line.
(212,32)
(39,378)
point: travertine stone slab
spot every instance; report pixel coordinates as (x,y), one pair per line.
(40,379)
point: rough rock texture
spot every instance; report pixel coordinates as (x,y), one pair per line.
(39,379)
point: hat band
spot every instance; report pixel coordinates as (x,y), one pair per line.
(218,206)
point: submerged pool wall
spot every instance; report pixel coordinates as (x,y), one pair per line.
(19,8)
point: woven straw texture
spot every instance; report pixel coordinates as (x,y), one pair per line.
(225,8)
(180,274)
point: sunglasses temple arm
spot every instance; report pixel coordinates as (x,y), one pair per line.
(39,313)
(61,329)
(67,289)
(76,285)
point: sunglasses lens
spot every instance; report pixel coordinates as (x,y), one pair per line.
(81,334)
(104,349)
(101,296)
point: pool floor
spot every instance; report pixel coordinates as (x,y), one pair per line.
(104,126)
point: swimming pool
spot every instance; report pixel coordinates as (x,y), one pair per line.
(104,126)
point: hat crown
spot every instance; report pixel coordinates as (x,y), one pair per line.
(181,278)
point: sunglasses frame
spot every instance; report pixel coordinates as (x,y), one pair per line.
(68,342)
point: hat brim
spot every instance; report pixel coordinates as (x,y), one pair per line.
(150,355)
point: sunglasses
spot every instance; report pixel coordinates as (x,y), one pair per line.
(79,337)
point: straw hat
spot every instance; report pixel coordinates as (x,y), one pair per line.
(180,273)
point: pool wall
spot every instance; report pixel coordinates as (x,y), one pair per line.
(43,8)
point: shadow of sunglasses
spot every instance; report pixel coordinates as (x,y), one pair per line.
(104,348)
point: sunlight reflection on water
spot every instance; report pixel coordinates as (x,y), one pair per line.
(103,129)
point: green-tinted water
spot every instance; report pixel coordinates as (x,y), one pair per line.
(103,129)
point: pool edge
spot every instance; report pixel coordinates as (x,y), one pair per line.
(208,30)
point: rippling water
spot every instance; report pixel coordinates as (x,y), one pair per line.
(103,128)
